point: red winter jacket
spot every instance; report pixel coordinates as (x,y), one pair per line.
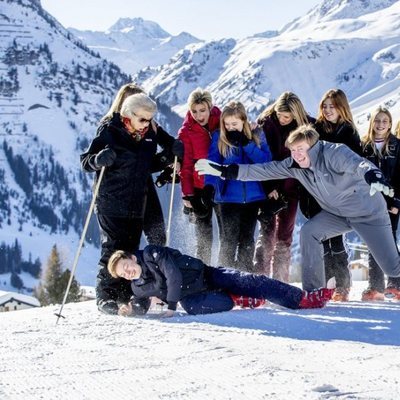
(196,140)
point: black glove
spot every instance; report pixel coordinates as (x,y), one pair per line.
(207,194)
(166,177)
(237,138)
(105,158)
(108,307)
(271,207)
(200,207)
(177,148)
(392,202)
(140,306)
(378,183)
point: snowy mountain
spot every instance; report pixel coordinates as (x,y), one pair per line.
(345,351)
(351,44)
(133,43)
(53,92)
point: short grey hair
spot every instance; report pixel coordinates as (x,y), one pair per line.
(136,102)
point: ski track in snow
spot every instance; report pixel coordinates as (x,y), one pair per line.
(345,351)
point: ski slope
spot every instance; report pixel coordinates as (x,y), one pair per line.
(345,351)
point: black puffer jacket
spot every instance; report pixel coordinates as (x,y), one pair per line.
(123,190)
(168,275)
(388,163)
(340,133)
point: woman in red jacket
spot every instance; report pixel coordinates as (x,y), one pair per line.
(201,120)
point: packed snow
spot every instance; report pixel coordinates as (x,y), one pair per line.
(345,351)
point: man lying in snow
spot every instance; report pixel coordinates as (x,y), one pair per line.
(173,277)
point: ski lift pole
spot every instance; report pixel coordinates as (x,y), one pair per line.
(171,201)
(78,252)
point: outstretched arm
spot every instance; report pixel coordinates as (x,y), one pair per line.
(247,172)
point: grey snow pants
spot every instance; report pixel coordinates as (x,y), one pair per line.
(374,230)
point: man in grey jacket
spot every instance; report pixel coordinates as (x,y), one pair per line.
(348,189)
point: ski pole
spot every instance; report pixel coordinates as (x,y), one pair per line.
(78,252)
(168,233)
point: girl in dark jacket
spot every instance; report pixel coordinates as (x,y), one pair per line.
(382,148)
(334,124)
(272,255)
(167,274)
(237,202)
(200,122)
(126,144)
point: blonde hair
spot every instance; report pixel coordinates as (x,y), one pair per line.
(234,109)
(115,258)
(340,102)
(286,102)
(199,96)
(135,102)
(303,132)
(397,130)
(369,138)
(124,91)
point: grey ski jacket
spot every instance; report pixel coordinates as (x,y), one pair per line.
(335,179)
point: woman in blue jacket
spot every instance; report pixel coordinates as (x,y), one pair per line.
(237,202)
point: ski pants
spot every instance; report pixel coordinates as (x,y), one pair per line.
(223,281)
(375,230)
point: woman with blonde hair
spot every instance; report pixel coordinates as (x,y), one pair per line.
(201,120)
(237,202)
(334,124)
(272,255)
(126,145)
(382,148)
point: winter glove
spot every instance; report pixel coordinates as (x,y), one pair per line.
(140,306)
(200,208)
(378,183)
(207,194)
(105,158)
(271,207)
(166,177)
(108,307)
(207,167)
(177,148)
(237,138)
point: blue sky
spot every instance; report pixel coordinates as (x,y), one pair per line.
(206,19)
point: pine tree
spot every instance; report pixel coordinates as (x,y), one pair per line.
(52,289)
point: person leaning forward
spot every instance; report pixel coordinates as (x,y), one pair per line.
(346,186)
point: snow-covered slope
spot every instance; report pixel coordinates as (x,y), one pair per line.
(53,92)
(133,43)
(345,351)
(351,44)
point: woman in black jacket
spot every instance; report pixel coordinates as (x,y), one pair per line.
(126,144)
(382,148)
(173,277)
(334,124)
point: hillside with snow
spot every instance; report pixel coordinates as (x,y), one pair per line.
(53,92)
(134,44)
(345,351)
(55,88)
(350,44)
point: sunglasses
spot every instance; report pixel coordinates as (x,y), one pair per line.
(142,120)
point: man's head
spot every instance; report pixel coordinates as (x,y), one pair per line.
(299,142)
(124,265)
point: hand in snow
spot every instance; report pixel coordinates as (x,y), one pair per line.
(125,310)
